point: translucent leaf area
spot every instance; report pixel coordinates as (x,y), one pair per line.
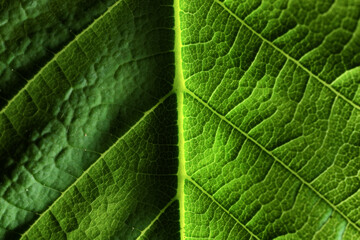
(160,119)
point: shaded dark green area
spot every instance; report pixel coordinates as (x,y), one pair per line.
(166,226)
(33,31)
(125,190)
(87,97)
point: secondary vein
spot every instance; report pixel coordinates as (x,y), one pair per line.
(101,156)
(356,106)
(57,55)
(222,207)
(274,157)
(143,232)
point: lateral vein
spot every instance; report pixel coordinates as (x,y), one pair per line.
(101,156)
(143,232)
(273,156)
(56,56)
(356,106)
(222,207)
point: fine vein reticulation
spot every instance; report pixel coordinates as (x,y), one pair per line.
(186,120)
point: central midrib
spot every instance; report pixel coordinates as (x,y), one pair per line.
(179,86)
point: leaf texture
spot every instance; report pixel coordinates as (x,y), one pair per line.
(216,119)
(32,31)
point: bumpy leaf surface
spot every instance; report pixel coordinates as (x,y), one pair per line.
(160,119)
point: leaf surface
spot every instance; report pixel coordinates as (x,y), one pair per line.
(210,119)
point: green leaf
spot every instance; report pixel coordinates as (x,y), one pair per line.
(33,31)
(233,119)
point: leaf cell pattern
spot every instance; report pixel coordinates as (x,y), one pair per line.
(219,119)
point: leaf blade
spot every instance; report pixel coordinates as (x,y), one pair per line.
(83,106)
